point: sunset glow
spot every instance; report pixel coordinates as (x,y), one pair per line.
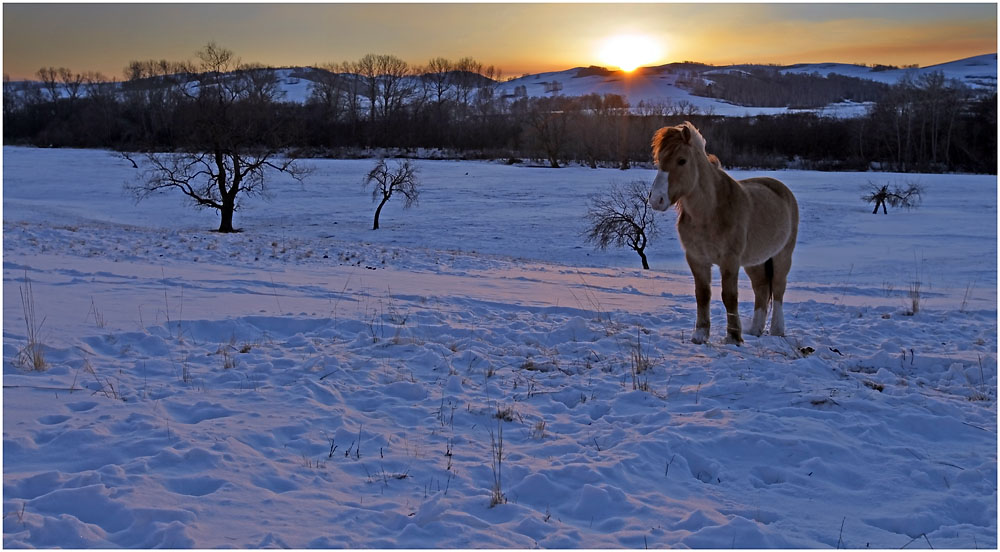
(629,52)
(519,38)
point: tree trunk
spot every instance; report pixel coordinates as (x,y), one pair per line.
(645,263)
(378,211)
(226,225)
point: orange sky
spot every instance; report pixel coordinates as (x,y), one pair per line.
(518,38)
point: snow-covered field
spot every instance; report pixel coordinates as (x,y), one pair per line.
(312,383)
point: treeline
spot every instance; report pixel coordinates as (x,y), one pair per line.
(769,87)
(380,101)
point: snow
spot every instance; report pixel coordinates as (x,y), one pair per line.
(312,383)
(978,72)
(652,87)
(659,85)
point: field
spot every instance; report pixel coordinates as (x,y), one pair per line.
(474,375)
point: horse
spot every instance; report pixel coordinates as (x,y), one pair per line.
(751,223)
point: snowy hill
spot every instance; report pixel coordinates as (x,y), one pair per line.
(670,84)
(979,72)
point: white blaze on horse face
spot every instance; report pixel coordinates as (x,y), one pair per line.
(658,198)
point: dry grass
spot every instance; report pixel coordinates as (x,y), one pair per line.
(496,463)
(32,355)
(639,363)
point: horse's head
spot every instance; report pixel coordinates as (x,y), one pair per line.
(678,152)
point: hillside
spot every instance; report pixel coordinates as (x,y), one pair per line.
(675,83)
(678,85)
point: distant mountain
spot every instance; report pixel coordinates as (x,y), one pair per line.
(677,84)
(978,72)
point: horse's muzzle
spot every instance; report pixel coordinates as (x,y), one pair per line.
(658,198)
(658,202)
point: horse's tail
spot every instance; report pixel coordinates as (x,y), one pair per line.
(769,272)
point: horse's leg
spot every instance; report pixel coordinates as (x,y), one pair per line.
(703,295)
(782,264)
(761,296)
(730,298)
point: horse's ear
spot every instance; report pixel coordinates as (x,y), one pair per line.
(686,133)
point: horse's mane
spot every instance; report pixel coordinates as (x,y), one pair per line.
(668,139)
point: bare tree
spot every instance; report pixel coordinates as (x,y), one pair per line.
(466,78)
(385,181)
(394,85)
(71,82)
(907,198)
(367,69)
(623,218)
(546,124)
(234,145)
(49,76)
(151,92)
(327,90)
(438,80)
(354,87)
(263,84)
(597,127)
(385,83)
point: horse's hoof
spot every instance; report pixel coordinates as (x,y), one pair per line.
(734,340)
(700,336)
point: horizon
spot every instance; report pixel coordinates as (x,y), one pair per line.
(518,39)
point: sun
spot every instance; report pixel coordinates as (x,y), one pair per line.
(629,51)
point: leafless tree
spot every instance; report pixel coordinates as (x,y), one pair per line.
(263,84)
(597,127)
(97,85)
(907,197)
(49,76)
(546,121)
(486,91)
(622,218)
(367,69)
(438,80)
(327,90)
(71,83)
(386,181)
(393,89)
(235,145)
(466,78)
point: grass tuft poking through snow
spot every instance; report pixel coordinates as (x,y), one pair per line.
(32,355)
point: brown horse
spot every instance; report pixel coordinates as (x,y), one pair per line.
(751,223)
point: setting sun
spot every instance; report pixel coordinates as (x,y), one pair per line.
(629,52)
